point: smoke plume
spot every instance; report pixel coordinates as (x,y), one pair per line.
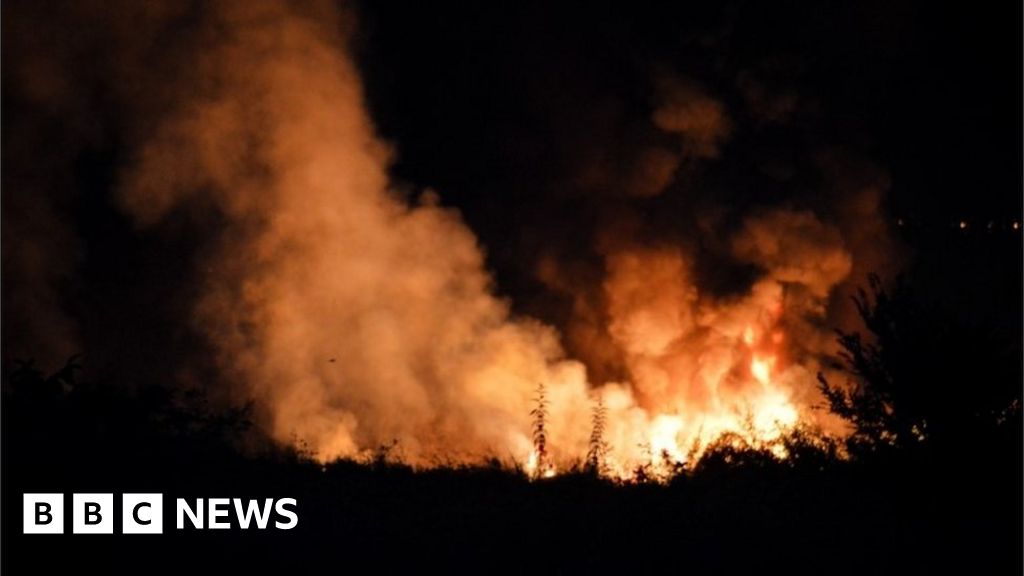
(355,314)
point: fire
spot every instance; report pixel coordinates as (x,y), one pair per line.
(665,432)
(536,469)
(355,317)
(761,369)
(728,382)
(699,373)
(754,407)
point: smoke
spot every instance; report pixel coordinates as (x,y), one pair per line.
(795,248)
(37,259)
(701,364)
(352,317)
(699,120)
(718,318)
(355,315)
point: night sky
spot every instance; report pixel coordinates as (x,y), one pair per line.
(509,102)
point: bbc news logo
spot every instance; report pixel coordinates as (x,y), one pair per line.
(143,513)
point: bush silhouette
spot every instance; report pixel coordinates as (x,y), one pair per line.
(922,375)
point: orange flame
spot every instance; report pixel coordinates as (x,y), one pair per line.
(320,260)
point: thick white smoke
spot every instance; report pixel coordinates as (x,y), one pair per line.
(353,318)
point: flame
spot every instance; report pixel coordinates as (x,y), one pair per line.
(535,469)
(761,369)
(732,379)
(724,372)
(318,259)
(664,433)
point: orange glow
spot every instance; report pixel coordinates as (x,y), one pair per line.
(748,336)
(355,317)
(534,470)
(665,438)
(761,369)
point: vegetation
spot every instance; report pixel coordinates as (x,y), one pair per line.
(597,448)
(933,479)
(920,376)
(539,430)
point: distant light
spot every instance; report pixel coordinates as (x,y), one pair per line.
(1016,225)
(963,225)
(899,221)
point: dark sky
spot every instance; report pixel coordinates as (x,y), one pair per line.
(476,97)
(498,107)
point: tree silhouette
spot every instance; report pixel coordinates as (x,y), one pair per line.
(919,373)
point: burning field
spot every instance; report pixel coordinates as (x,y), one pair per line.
(355,315)
(581,255)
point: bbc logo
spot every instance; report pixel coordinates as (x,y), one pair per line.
(144,513)
(93,513)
